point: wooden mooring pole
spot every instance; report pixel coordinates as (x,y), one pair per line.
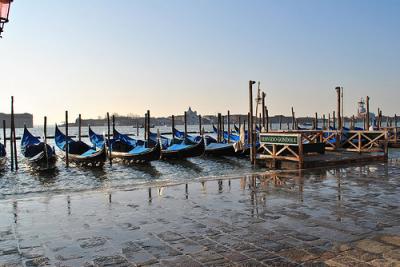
(14,134)
(109,138)
(173,126)
(263,110)
(79,127)
(185,123)
(316,121)
(252,141)
(267,121)
(200,125)
(11,139)
(338,92)
(45,129)
(323,122)
(334,119)
(293,119)
(66,139)
(367,119)
(280,122)
(248,128)
(148,128)
(229,126)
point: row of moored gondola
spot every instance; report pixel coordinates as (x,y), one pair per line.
(42,156)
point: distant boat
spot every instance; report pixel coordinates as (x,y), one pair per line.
(126,148)
(38,154)
(79,152)
(3,157)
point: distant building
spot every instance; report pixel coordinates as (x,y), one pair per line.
(192,117)
(362,111)
(20,120)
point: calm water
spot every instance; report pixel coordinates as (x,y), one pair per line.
(27,182)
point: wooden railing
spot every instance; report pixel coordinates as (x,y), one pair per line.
(365,141)
(290,146)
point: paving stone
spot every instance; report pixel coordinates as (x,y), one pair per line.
(260,255)
(391,239)
(92,242)
(392,254)
(207,257)
(169,236)
(234,256)
(373,246)
(346,261)
(180,261)
(114,260)
(297,255)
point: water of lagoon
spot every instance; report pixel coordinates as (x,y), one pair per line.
(26,182)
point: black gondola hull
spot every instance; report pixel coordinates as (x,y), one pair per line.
(223,151)
(195,150)
(151,155)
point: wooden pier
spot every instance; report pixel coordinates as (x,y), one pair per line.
(310,149)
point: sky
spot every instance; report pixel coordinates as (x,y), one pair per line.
(127,56)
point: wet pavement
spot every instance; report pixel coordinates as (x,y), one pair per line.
(335,217)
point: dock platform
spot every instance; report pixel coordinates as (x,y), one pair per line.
(329,159)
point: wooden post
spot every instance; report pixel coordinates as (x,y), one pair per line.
(185,123)
(79,127)
(148,128)
(66,140)
(145,127)
(200,130)
(240,122)
(173,126)
(395,121)
(263,110)
(280,122)
(329,121)
(367,119)
(323,122)
(229,126)
(316,121)
(109,138)
(11,141)
(222,127)
(4,134)
(219,127)
(45,129)
(251,129)
(113,124)
(267,122)
(14,135)
(248,129)
(137,128)
(259,121)
(338,90)
(334,120)
(293,119)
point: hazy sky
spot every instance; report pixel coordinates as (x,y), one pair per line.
(128,56)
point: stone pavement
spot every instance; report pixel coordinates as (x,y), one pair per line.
(337,217)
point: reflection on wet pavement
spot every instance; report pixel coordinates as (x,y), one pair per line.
(335,217)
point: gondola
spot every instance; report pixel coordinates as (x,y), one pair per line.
(213,148)
(39,155)
(3,157)
(179,148)
(127,149)
(79,152)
